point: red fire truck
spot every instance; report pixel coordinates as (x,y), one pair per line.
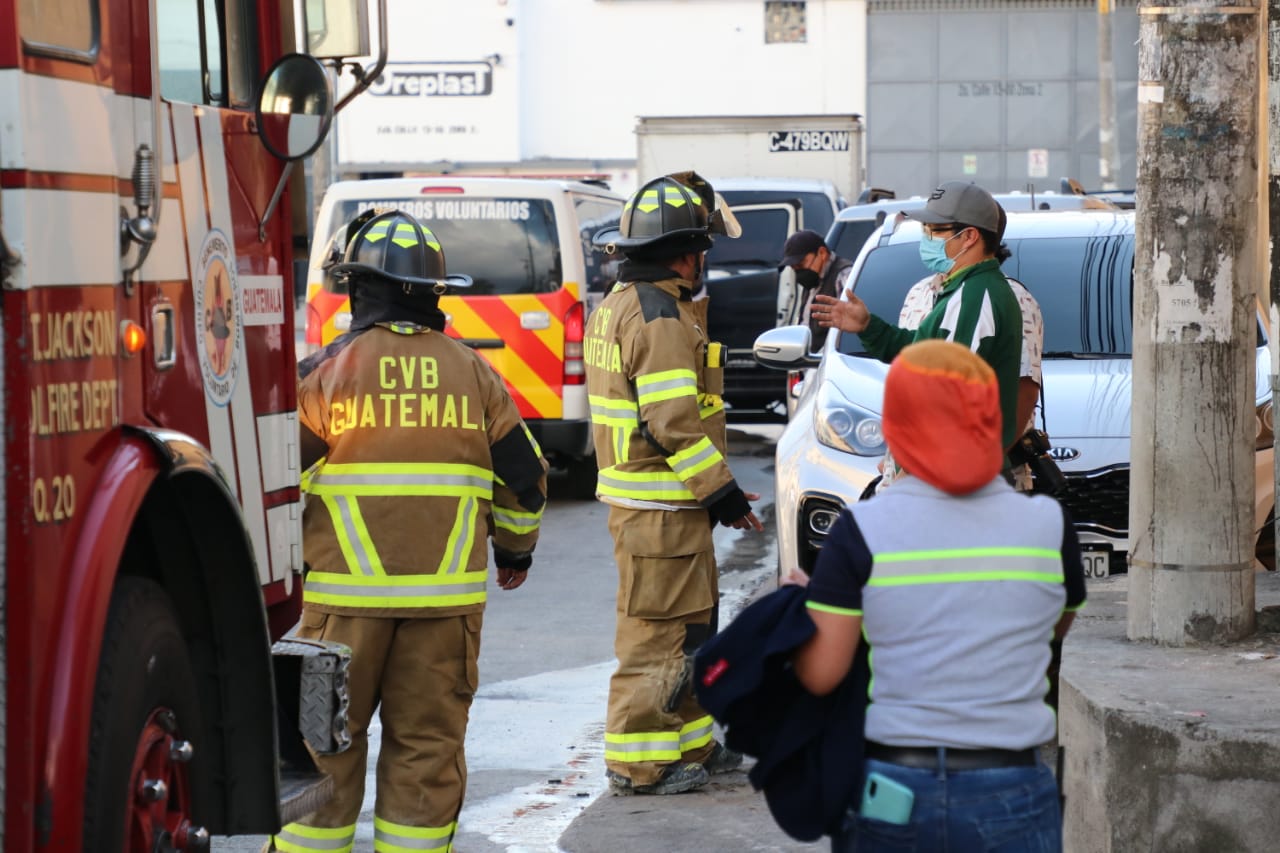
(151,507)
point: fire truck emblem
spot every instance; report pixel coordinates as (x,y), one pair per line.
(218,317)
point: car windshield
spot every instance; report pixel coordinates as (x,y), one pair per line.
(1084,286)
(763,234)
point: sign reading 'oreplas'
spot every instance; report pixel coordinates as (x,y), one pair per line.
(431,112)
(434,79)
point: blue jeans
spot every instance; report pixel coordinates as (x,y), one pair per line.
(1000,810)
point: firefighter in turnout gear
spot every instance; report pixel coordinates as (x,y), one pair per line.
(654,383)
(425,458)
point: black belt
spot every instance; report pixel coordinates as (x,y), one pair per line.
(927,757)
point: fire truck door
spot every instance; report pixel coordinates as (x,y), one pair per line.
(231,319)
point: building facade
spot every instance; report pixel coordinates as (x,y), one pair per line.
(1003,93)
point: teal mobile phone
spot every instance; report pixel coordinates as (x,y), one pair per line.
(886,800)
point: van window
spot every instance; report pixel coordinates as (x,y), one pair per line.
(595,214)
(506,245)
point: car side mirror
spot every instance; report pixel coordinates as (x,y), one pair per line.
(785,348)
(295,106)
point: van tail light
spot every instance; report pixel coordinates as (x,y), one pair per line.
(575,369)
(311,340)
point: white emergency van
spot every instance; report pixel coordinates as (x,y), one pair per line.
(526,243)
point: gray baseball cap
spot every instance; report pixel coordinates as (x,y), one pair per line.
(964,203)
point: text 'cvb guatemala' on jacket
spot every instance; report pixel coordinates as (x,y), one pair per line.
(428,460)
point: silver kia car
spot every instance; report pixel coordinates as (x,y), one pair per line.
(1079,266)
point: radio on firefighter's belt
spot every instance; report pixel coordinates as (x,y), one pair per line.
(715,355)
(715,361)
(1032,449)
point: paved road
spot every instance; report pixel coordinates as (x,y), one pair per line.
(534,743)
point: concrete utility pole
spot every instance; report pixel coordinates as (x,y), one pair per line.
(1191,489)
(1108,153)
(1273,218)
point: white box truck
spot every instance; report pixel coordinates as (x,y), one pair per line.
(825,147)
(779,174)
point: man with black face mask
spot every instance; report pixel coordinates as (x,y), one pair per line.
(818,270)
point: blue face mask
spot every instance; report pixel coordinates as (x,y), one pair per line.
(933,253)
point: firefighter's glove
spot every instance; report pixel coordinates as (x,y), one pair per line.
(728,505)
(731,507)
(514,560)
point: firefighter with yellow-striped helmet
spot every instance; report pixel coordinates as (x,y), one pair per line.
(676,212)
(654,382)
(418,457)
(390,256)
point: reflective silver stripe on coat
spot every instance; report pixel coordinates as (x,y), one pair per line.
(407,481)
(621,442)
(652,392)
(383,591)
(462,531)
(617,413)
(346,512)
(684,464)
(516,522)
(647,388)
(670,484)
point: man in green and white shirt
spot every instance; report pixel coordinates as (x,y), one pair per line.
(917,305)
(975,307)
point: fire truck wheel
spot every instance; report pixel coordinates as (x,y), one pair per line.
(580,478)
(142,780)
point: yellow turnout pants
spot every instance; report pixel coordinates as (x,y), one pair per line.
(667,591)
(421,675)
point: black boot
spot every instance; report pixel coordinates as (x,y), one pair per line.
(675,779)
(722,759)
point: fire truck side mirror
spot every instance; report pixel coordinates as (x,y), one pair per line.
(295,107)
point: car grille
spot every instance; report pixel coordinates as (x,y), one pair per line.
(1100,500)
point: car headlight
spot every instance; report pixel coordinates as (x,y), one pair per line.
(820,519)
(841,425)
(1265,426)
